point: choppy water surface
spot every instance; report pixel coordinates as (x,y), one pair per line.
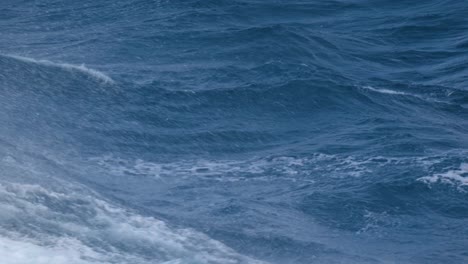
(242,131)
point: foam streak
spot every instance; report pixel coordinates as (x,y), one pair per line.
(70,67)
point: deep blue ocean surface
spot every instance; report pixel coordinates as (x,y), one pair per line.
(240,131)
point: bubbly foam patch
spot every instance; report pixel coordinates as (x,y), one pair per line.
(457,176)
(65,251)
(70,67)
(39,225)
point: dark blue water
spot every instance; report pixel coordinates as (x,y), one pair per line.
(241,131)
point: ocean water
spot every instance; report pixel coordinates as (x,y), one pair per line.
(240,131)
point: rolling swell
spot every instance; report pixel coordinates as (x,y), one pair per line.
(229,131)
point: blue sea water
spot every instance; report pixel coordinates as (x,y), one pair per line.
(240,131)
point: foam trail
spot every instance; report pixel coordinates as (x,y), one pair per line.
(71,67)
(385,91)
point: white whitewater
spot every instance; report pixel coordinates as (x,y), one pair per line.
(89,230)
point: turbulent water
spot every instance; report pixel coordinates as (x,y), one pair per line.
(240,131)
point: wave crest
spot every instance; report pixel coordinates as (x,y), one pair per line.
(66,66)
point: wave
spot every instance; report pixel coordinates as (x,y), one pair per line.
(50,217)
(72,226)
(66,66)
(222,131)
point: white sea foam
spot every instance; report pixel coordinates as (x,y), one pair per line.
(385,91)
(457,176)
(393,92)
(219,170)
(70,67)
(65,251)
(282,168)
(39,225)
